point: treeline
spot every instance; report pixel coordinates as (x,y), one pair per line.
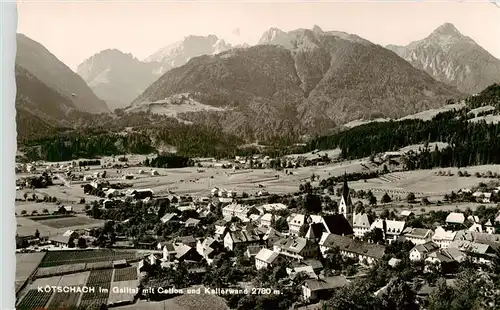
(84,163)
(169,161)
(78,145)
(451,127)
(488,96)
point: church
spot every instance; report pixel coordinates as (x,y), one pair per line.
(345,204)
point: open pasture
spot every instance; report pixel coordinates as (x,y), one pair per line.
(196,181)
(424,183)
(26,264)
(66,222)
(55,258)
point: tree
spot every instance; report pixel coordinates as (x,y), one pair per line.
(82,243)
(281,224)
(46,211)
(71,243)
(373,200)
(37,234)
(23,212)
(375,235)
(425,201)
(386,198)
(399,296)
(410,197)
(25,195)
(356,296)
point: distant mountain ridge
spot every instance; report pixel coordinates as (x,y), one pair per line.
(452,58)
(119,78)
(40,63)
(300,82)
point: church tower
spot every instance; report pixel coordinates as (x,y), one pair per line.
(345,205)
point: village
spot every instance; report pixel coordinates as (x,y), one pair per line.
(114,223)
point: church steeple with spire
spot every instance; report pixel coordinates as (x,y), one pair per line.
(345,205)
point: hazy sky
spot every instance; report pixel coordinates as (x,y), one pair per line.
(75,30)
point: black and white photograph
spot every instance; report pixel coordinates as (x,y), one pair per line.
(286,155)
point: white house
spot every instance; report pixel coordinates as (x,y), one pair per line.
(391,229)
(360,224)
(315,289)
(267,258)
(349,247)
(490,229)
(295,222)
(267,219)
(443,238)
(235,210)
(417,235)
(421,251)
(455,218)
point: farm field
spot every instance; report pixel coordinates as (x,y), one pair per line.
(190,181)
(183,302)
(101,281)
(33,300)
(26,226)
(74,221)
(122,291)
(125,274)
(424,182)
(26,264)
(55,258)
(59,270)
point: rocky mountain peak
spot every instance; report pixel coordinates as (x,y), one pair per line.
(447,29)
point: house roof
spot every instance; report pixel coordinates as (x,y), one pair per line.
(361,220)
(181,250)
(471,247)
(272,234)
(293,244)
(243,236)
(315,231)
(273,206)
(426,247)
(253,249)
(192,222)
(326,283)
(418,232)
(266,255)
(296,219)
(266,217)
(337,224)
(186,239)
(476,227)
(219,230)
(308,270)
(351,245)
(313,263)
(441,234)
(440,256)
(167,217)
(455,218)
(473,218)
(60,239)
(406,213)
(392,227)
(394,261)
(455,254)
(168,246)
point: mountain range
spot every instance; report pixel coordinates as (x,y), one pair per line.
(119,78)
(40,63)
(452,58)
(296,83)
(299,82)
